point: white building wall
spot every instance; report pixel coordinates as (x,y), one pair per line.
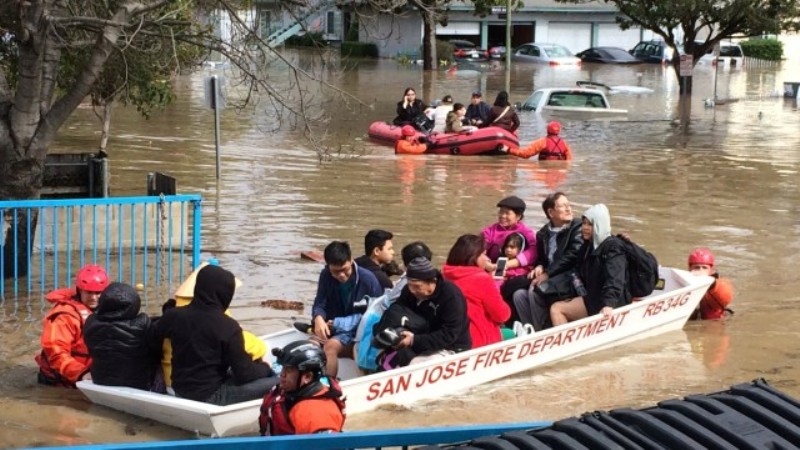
(393,35)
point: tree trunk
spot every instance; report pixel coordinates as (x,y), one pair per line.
(429,56)
(20,179)
(106,127)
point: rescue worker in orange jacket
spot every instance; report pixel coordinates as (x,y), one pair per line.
(719,296)
(305,401)
(64,359)
(551,147)
(408,144)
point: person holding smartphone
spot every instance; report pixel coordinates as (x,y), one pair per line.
(409,108)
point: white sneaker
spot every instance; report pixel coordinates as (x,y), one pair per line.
(522,329)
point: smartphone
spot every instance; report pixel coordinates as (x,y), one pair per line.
(500,271)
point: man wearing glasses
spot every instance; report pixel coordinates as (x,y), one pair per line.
(341,299)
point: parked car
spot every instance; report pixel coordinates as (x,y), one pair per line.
(552,54)
(468,50)
(654,51)
(497,52)
(607,55)
(729,54)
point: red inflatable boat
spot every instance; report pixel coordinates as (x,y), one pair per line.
(481,141)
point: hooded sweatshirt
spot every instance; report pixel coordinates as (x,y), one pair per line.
(206,343)
(602,264)
(116,335)
(485,307)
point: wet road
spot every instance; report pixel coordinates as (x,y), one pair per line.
(730,183)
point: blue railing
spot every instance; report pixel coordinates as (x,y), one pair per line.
(139,240)
(349,440)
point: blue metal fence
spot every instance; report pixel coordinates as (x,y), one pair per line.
(146,240)
(350,440)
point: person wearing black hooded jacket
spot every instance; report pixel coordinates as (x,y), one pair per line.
(209,361)
(116,335)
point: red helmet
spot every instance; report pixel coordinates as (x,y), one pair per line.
(701,255)
(408,130)
(91,278)
(553,127)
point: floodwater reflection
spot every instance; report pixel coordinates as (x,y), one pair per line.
(730,183)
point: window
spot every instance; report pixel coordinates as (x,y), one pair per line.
(331,23)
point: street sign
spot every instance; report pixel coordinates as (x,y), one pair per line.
(685,69)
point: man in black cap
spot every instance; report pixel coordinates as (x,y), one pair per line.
(478,110)
(442,305)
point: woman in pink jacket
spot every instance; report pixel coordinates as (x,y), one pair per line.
(509,221)
(485,307)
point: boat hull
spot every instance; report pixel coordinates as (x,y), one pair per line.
(658,313)
(478,142)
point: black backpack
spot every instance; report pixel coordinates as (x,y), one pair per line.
(642,269)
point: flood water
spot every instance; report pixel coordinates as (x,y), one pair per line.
(730,183)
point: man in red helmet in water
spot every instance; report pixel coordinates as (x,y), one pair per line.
(715,302)
(64,359)
(409,144)
(549,148)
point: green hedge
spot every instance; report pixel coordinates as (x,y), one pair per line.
(769,49)
(359,49)
(307,40)
(444,51)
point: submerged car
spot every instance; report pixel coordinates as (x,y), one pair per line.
(497,52)
(729,55)
(468,50)
(576,102)
(552,54)
(654,51)
(607,55)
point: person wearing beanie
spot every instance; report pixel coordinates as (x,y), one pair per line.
(116,335)
(442,307)
(603,267)
(209,360)
(511,211)
(549,148)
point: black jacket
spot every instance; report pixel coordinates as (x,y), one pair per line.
(446,313)
(116,335)
(568,243)
(383,279)
(603,272)
(207,345)
(408,114)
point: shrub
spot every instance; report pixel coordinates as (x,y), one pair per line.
(769,49)
(359,49)
(307,40)
(444,51)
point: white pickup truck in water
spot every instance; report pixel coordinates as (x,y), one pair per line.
(578,102)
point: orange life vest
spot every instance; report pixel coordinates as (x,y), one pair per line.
(274,418)
(555,150)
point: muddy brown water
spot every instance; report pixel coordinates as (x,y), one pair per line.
(730,183)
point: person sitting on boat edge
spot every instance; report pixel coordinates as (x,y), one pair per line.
(441,112)
(305,401)
(409,108)
(486,309)
(502,114)
(510,213)
(558,243)
(477,111)
(715,302)
(378,250)
(409,143)
(209,360)
(550,147)
(602,266)
(441,305)
(253,345)
(64,359)
(366,352)
(117,338)
(455,120)
(342,294)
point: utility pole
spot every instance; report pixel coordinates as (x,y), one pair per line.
(508,45)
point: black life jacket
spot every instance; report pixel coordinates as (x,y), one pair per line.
(555,150)
(274,418)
